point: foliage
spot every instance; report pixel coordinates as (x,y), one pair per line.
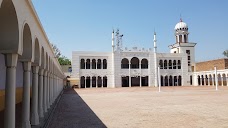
(62,59)
(225,53)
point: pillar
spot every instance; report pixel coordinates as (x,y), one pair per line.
(40,91)
(45,92)
(129,74)
(102,82)
(227,81)
(34,115)
(48,90)
(26,95)
(208,81)
(85,81)
(91,82)
(10,90)
(96,82)
(140,78)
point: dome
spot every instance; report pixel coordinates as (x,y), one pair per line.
(181,26)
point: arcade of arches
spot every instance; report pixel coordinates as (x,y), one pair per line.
(93,82)
(93,64)
(209,80)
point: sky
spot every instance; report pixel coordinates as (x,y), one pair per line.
(86,25)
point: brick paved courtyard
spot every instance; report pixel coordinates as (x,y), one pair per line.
(187,107)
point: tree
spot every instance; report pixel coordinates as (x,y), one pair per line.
(225,53)
(62,59)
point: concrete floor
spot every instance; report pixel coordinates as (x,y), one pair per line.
(188,107)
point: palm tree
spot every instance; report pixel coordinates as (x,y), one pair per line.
(225,53)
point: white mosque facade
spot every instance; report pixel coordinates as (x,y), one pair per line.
(140,67)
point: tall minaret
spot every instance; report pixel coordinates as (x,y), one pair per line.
(155,62)
(113,46)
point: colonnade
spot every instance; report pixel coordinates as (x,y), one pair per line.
(23,40)
(46,86)
(209,80)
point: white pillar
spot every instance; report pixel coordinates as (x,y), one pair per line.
(227,81)
(140,78)
(34,115)
(26,95)
(102,82)
(216,78)
(40,88)
(48,90)
(10,90)
(129,74)
(96,82)
(91,82)
(208,81)
(45,91)
(85,82)
(222,80)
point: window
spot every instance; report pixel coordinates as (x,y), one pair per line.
(188,52)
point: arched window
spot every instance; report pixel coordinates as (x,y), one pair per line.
(161,64)
(165,64)
(179,64)
(93,64)
(88,64)
(99,64)
(170,64)
(134,63)
(82,64)
(174,64)
(144,64)
(104,64)
(125,63)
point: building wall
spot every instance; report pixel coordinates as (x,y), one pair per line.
(209,65)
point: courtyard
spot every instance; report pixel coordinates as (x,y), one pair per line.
(136,107)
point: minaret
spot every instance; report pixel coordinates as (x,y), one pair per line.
(155,62)
(113,46)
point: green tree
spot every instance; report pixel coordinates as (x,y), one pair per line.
(225,53)
(62,59)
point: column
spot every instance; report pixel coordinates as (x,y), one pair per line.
(96,82)
(129,74)
(140,78)
(85,82)
(48,90)
(26,95)
(34,115)
(10,90)
(45,92)
(91,82)
(222,80)
(102,82)
(227,80)
(40,88)
(208,81)
(212,79)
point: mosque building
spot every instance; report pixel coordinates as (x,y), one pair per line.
(140,67)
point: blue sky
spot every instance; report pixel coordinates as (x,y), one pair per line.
(86,25)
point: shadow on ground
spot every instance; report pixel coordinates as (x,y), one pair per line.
(73,112)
